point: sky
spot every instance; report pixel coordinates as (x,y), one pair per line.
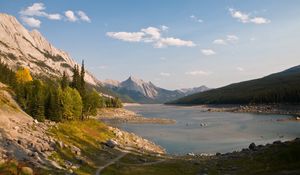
(172,43)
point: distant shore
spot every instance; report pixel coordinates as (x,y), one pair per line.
(125,116)
(282,109)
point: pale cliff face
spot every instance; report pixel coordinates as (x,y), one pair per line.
(19,47)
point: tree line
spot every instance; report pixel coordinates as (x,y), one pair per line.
(55,100)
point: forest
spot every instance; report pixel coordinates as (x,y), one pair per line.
(56,99)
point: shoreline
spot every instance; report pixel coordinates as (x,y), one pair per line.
(292,110)
(123,115)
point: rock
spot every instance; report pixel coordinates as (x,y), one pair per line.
(35,121)
(277,142)
(16,127)
(252,146)
(218,154)
(75,150)
(190,154)
(27,171)
(111,143)
(61,144)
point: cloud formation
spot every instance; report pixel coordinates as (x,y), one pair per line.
(196,19)
(127,36)
(83,16)
(230,39)
(151,35)
(71,16)
(208,52)
(246,18)
(31,22)
(197,73)
(30,15)
(37,9)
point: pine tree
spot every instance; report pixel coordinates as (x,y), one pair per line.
(82,82)
(64,81)
(54,106)
(37,101)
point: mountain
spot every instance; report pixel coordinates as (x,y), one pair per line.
(20,47)
(282,87)
(146,92)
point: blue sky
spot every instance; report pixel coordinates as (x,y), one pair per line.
(173,43)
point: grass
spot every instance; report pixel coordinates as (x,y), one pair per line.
(277,158)
(88,136)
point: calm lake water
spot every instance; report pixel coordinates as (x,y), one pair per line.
(225,132)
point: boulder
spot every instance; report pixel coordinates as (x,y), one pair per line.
(75,150)
(252,146)
(27,171)
(111,143)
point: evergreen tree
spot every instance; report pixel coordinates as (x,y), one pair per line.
(37,101)
(54,106)
(82,82)
(64,81)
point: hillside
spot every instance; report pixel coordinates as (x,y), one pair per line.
(146,92)
(282,87)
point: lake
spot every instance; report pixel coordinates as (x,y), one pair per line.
(198,131)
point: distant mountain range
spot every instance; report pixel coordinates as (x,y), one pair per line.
(282,87)
(20,47)
(146,92)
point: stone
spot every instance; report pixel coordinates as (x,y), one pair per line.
(111,143)
(16,127)
(75,150)
(252,146)
(35,121)
(27,171)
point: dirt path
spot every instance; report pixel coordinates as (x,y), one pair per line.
(110,162)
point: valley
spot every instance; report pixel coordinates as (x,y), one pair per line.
(210,96)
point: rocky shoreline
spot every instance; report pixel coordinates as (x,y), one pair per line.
(125,116)
(292,110)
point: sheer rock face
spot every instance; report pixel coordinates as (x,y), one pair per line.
(20,47)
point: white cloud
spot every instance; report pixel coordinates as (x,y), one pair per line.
(54,16)
(37,9)
(83,16)
(164,42)
(150,35)
(163,58)
(220,42)
(232,38)
(240,69)
(196,19)
(197,73)
(152,32)
(260,20)
(164,28)
(31,22)
(126,36)
(208,52)
(165,74)
(246,18)
(71,16)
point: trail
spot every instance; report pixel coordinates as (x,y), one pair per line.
(110,162)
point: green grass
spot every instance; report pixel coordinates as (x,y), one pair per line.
(275,159)
(88,136)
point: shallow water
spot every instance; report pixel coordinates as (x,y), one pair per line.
(225,132)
